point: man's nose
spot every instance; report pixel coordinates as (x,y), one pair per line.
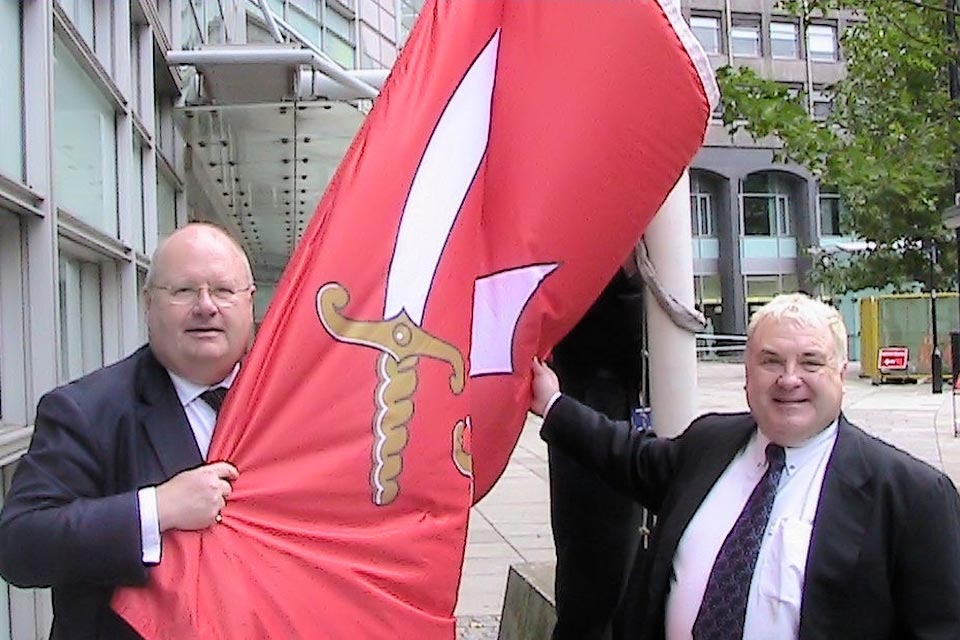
(205,303)
(790,376)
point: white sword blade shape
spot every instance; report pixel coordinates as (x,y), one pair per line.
(447,169)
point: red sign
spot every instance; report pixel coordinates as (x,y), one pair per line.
(892,358)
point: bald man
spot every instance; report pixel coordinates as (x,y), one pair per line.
(118,457)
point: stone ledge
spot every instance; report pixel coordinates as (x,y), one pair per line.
(528,605)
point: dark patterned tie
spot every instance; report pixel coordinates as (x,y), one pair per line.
(724,605)
(214,398)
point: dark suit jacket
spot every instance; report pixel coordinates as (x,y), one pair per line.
(71,518)
(884,558)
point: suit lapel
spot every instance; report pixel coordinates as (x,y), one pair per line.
(838,531)
(163,418)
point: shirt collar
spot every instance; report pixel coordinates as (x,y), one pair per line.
(188,391)
(797,456)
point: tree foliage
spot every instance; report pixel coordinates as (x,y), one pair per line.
(888,145)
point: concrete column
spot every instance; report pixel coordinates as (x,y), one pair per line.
(730,267)
(673,355)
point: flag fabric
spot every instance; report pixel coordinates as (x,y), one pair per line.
(512,159)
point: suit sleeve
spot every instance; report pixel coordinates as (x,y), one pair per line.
(637,463)
(927,570)
(58,524)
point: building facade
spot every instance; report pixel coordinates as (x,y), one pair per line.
(753,218)
(106,147)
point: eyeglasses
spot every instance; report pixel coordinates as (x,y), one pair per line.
(223,297)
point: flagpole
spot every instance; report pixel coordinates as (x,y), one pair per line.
(673,351)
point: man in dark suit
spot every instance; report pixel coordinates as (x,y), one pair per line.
(596,527)
(785,522)
(117,456)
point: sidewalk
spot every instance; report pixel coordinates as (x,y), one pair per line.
(512,523)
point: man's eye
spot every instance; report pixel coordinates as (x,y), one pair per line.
(182,291)
(223,292)
(812,365)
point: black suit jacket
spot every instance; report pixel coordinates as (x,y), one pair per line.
(71,518)
(884,557)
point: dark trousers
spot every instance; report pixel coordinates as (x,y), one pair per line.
(595,529)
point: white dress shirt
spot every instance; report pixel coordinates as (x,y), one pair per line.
(202,419)
(773,603)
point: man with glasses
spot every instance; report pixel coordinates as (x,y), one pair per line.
(118,456)
(784,522)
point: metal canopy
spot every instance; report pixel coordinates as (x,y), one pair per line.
(261,149)
(262,168)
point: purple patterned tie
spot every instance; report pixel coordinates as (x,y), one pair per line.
(724,605)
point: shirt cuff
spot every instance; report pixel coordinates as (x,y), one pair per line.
(546,409)
(149,525)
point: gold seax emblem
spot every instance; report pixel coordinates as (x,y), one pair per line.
(401,343)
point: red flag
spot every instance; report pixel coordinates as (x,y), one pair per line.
(517,151)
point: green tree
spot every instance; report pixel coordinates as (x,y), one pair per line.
(887,146)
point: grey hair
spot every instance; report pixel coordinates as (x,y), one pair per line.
(807,311)
(148,282)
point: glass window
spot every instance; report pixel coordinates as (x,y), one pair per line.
(784,42)
(766,206)
(216,28)
(191,35)
(388,24)
(707,289)
(81,14)
(822,104)
(707,31)
(309,7)
(81,345)
(409,10)
(702,215)
(307,25)
(701,208)
(338,39)
(141,305)
(789,283)
(85,139)
(135,67)
(761,287)
(388,53)
(822,42)
(338,24)
(13,409)
(370,42)
(745,40)
(831,210)
(11,98)
(136,198)
(165,9)
(166,206)
(340,50)
(756,216)
(165,130)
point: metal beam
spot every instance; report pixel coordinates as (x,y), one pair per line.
(313,85)
(270,20)
(350,81)
(324,64)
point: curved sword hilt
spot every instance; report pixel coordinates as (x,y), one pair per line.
(402,343)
